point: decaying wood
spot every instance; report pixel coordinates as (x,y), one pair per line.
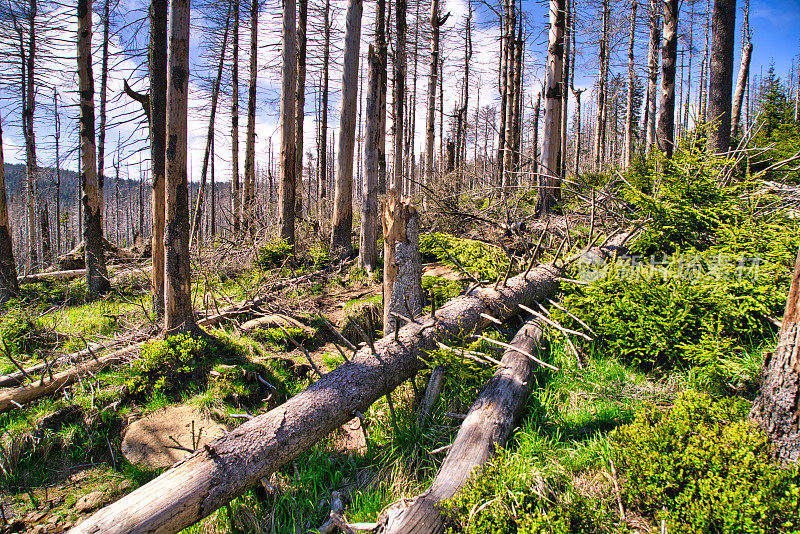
(432,392)
(402,274)
(274,319)
(487,426)
(56,275)
(208,479)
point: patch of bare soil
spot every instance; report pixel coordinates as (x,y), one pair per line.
(167,435)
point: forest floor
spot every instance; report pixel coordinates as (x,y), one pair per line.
(644,405)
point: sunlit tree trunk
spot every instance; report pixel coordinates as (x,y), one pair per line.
(368,248)
(399,94)
(236,190)
(101,135)
(8,269)
(629,125)
(323,136)
(430,126)
(602,89)
(157,58)
(744,71)
(652,76)
(286,186)
(250,136)
(720,78)
(300,107)
(669,53)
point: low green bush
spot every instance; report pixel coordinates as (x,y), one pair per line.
(167,366)
(273,254)
(703,467)
(485,261)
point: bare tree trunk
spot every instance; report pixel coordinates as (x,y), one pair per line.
(323,152)
(96,275)
(57,135)
(236,193)
(300,107)
(430,126)
(286,186)
(569,28)
(690,51)
(250,136)
(383,56)
(399,94)
(627,155)
(8,268)
(669,53)
(578,132)
(535,141)
(341,242)
(549,181)
(511,85)
(178,316)
(44,226)
(652,76)
(720,77)
(744,71)
(157,58)
(101,135)
(776,409)
(198,208)
(602,89)
(29,107)
(368,246)
(402,267)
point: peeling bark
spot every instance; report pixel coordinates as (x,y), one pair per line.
(402,266)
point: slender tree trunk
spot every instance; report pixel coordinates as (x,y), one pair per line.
(368,251)
(236,193)
(577,94)
(157,58)
(44,226)
(669,53)
(549,182)
(720,77)
(704,76)
(399,94)
(383,56)
(627,155)
(8,268)
(341,242)
(511,85)
(652,76)
(690,51)
(569,28)
(198,209)
(744,71)
(602,89)
(286,186)
(96,274)
(101,135)
(430,126)
(250,136)
(57,127)
(323,153)
(776,409)
(535,141)
(300,107)
(178,316)
(29,108)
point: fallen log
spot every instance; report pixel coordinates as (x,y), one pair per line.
(55,275)
(486,428)
(210,477)
(274,319)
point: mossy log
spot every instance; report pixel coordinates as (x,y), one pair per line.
(209,478)
(488,425)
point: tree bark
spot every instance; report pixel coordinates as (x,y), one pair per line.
(488,425)
(602,89)
(8,268)
(250,135)
(96,275)
(669,54)
(101,135)
(208,479)
(402,266)
(720,78)
(44,227)
(627,154)
(399,94)
(286,186)
(300,107)
(383,56)
(744,71)
(549,181)
(776,409)
(368,246)
(341,242)
(323,136)
(236,192)
(178,316)
(430,127)
(157,59)
(652,77)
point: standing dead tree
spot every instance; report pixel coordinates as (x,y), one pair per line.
(286,186)
(8,269)
(669,54)
(720,77)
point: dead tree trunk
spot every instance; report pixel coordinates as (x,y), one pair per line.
(208,479)
(341,242)
(96,275)
(744,71)
(549,181)
(300,107)
(178,316)
(669,53)
(535,141)
(368,249)
(286,185)
(487,428)
(720,77)
(430,126)
(236,193)
(250,135)
(44,227)
(652,76)
(101,135)
(402,266)
(8,269)
(627,155)
(602,89)
(399,94)
(776,409)
(383,56)
(157,59)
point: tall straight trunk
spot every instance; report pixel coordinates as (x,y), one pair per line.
(430,121)
(776,408)
(690,51)
(627,154)
(519,93)
(368,245)
(157,59)
(44,226)
(198,208)
(250,136)
(720,78)
(549,182)
(178,316)
(535,141)
(506,43)
(652,75)
(32,167)
(577,94)
(213,215)
(96,274)
(57,128)
(8,268)
(568,72)
(744,71)
(286,185)
(341,242)
(236,193)
(704,76)
(383,56)
(399,94)
(602,88)
(323,152)
(300,106)
(101,135)
(511,85)
(669,53)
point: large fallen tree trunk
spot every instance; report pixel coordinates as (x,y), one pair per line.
(54,275)
(488,425)
(210,477)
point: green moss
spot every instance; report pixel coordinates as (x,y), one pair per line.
(169,365)
(485,261)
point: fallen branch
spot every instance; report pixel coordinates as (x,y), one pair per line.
(208,479)
(487,426)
